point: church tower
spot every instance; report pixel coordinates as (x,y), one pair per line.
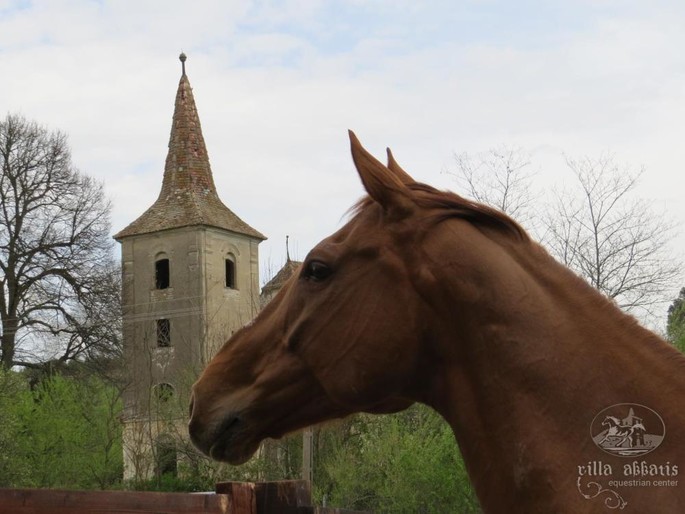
(190,279)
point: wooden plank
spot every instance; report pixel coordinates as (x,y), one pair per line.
(241,496)
(285,497)
(48,501)
(282,497)
(267,497)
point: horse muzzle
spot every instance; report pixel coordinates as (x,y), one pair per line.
(225,437)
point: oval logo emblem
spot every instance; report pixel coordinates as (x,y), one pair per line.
(627,430)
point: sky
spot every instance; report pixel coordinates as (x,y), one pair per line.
(278,84)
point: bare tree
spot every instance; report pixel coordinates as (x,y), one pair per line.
(501,177)
(617,242)
(612,239)
(55,252)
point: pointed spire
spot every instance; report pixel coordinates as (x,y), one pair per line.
(188,195)
(187,170)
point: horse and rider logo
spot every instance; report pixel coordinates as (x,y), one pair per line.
(627,430)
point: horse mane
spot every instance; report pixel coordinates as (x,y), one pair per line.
(451,205)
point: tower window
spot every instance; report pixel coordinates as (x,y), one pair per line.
(164,392)
(163,333)
(230,272)
(162,274)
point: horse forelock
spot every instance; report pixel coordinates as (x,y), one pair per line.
(450,205)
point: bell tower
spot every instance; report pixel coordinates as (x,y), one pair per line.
(190,278)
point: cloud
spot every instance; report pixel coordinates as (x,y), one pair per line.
(278,84)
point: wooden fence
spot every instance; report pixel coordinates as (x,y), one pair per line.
(287,497)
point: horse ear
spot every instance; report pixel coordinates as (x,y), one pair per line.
(382,184)
(397,169)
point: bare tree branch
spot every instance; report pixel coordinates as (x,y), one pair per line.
(615,241)
(501,178)
(55,251)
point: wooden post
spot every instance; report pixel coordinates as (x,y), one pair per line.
(284,497)
(308,455)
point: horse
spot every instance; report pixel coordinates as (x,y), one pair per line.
(615,431)
(425,296)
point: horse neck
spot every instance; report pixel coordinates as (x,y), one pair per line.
(523,369)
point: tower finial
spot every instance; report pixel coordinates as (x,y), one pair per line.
(183,58)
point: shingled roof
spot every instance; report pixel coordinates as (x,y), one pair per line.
(276,283)
(188,196)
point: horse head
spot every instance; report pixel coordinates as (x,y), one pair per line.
(342,336)
(611,421)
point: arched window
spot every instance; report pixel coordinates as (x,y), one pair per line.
(164,392)
(162,273)
(230,271)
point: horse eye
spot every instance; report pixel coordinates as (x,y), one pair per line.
(316,271)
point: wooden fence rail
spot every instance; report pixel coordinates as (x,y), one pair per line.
(286,497)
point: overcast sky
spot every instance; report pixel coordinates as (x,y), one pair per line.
(278,83)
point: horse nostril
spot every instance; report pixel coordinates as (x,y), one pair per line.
(228,423)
